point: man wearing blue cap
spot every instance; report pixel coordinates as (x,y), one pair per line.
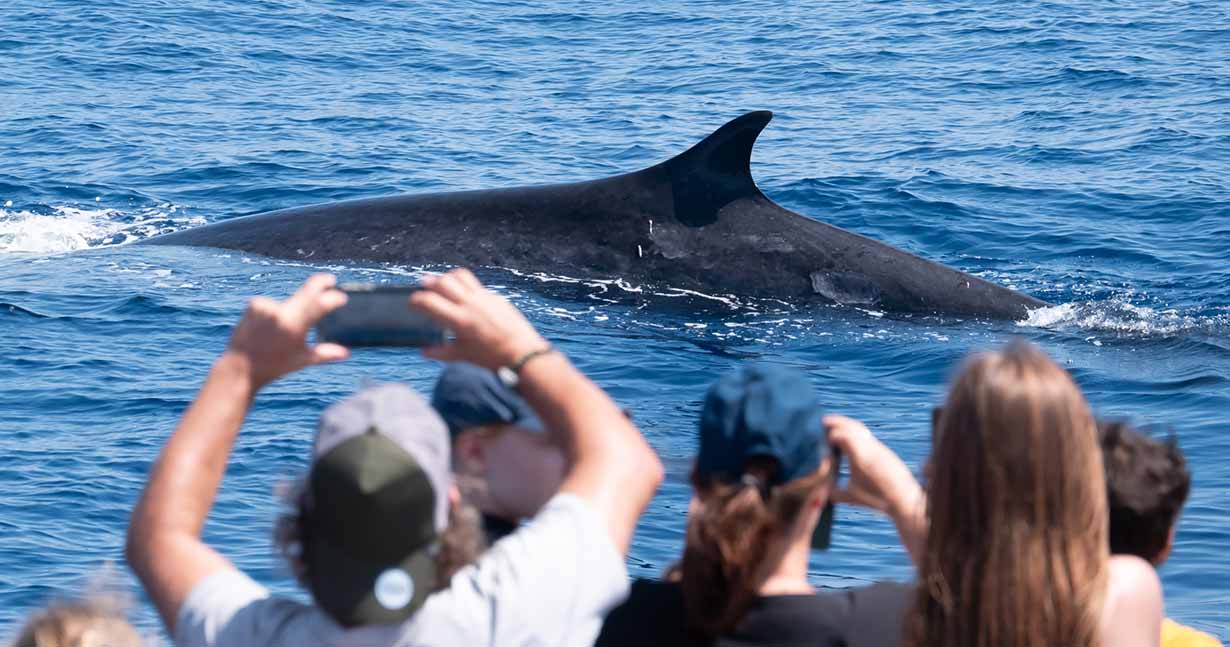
(762,481)
(504,463)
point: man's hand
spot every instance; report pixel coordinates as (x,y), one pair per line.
(487,329)
(271,339)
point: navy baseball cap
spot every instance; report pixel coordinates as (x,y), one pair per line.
(471,396)
(761,410)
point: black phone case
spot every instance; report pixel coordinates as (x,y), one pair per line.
(378,316)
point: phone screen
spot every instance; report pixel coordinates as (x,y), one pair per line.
(378,315)
(822,536)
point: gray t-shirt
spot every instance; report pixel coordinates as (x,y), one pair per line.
(549,584)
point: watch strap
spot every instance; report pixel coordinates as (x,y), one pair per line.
(511,375)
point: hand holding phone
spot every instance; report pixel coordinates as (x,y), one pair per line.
(487,329)
(272,335)
(376,316)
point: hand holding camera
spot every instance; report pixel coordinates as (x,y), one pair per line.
(487,329)
(271,339)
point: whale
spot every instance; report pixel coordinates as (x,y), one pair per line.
(694,222)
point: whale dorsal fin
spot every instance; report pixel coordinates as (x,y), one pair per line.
(716,171)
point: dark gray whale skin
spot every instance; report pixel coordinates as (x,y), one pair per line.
(696,222)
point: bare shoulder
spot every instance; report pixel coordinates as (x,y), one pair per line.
(1133,577)
(1132,613)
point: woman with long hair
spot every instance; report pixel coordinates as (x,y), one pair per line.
(760,485)
(1010,537)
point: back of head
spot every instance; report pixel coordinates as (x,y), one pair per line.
(761,445)
(1146,484)
(369,518)
(84,623)
(1016,551)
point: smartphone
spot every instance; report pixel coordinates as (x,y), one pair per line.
(823,535)
(378,315)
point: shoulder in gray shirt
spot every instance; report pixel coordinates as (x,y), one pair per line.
(549,583)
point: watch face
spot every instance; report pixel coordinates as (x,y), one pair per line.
(507,376)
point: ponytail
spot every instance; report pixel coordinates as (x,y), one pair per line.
(727,545)
(726,539)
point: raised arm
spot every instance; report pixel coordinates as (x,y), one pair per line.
(610,465)
(164,546)
(881,481)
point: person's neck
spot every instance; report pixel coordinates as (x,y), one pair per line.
(789,575)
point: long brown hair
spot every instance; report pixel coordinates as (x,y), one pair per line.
(728,537)
(1016,551)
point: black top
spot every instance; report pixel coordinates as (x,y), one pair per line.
(871,616)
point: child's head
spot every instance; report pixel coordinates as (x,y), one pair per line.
(1146,484)
(95,622)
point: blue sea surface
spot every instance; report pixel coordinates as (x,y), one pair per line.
(1079,152)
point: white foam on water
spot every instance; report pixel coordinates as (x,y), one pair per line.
(1048,316)
(1120,318)
(72,228)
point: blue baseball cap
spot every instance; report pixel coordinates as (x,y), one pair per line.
(470,396)
(761,410)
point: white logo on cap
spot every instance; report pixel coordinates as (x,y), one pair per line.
(394,589)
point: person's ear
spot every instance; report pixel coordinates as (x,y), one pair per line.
(468,449)
(821,497)
(1165,554)
(454,497)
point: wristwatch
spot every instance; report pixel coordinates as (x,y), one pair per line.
(510,376)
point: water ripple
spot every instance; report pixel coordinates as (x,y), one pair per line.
(1076,153)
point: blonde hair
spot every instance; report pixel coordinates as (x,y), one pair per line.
(94,622)
(1016,549)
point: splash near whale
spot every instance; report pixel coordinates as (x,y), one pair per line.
(696,221)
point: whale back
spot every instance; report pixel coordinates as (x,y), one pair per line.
(696,222)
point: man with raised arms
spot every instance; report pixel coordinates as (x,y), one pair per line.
(548,583)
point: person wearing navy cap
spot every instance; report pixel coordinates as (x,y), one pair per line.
(503,463)
(762,479)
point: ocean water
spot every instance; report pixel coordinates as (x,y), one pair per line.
(1078,153)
